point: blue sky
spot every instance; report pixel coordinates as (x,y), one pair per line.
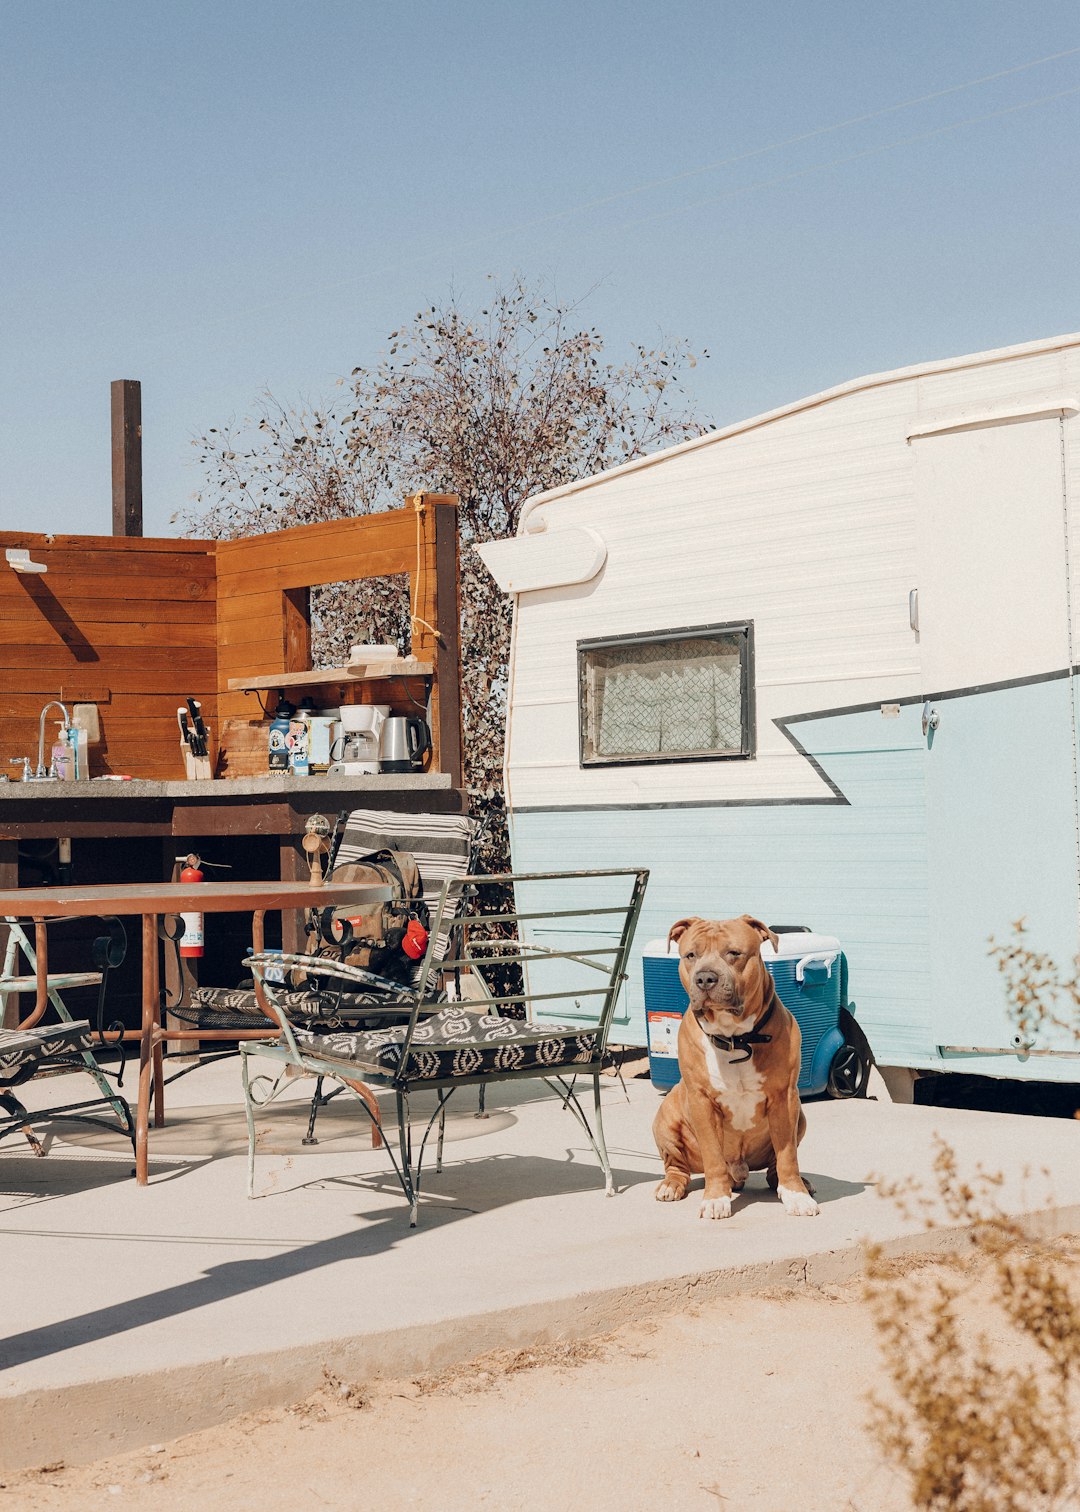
(216,198)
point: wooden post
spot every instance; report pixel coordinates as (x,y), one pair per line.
(438,597)
(296,629)
(127,493)
(293,867)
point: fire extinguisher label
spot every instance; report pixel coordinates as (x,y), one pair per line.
(191,941)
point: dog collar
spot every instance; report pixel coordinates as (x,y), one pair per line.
(747,1041)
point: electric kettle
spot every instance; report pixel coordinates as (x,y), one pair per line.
(403,743)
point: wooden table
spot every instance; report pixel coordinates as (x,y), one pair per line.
(151,900)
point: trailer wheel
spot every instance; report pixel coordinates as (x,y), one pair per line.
(849,1073)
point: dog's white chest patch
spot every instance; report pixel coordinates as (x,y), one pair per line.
(738,1087)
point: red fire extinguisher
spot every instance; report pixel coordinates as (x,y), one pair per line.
(191,941)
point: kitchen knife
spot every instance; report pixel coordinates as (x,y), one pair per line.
(199,747)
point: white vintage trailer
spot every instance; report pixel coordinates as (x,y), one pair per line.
(820,666)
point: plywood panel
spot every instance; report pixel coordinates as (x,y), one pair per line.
(125,610)
(255,575)
(128,623)
(184,586)
(113,636)
(41,547)
(148,564)
(300,572)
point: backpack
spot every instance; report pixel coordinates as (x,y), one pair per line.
(372,937)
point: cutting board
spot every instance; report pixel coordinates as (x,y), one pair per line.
(243,748)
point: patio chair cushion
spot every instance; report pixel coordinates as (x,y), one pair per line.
(457,1041)
(21,1048)
(236,1007)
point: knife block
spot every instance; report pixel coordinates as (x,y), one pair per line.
(196,768)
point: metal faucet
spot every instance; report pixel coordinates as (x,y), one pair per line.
(54,703)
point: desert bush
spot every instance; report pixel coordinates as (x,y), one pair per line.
(983,1420)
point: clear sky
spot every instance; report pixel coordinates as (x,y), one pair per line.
(219,196)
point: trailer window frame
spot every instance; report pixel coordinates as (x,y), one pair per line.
(748,704)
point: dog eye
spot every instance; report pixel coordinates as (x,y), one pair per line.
(689,955)
(733,955)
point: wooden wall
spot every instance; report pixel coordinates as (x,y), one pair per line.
(127,623)
(259,583)
(135,625)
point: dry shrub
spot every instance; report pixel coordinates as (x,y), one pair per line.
(983,1421)
(1041,996)
(495,404)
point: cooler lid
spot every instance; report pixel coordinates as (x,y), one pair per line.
(792,947)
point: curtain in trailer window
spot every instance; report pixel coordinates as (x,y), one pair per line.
(668,698)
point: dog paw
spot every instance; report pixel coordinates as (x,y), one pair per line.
(798,1204)
(716,1207)
(669,1191)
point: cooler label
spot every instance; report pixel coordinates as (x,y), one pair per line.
(664,1034)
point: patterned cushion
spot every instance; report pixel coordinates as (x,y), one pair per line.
(458,1041)
(21,1048)
(236,1008)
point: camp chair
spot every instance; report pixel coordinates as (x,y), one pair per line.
(33,1049)
(537,942)
(441,845)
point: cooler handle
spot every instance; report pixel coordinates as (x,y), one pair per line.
(815,960)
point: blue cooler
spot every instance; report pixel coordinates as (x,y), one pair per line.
(810,973)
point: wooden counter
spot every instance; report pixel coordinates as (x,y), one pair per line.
(270,805)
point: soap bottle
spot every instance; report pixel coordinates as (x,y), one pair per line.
(63,757)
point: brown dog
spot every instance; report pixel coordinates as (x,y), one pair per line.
(736,1108)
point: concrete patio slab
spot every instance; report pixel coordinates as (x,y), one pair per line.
(132,1315)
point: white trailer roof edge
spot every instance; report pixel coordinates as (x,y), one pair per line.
(813,401)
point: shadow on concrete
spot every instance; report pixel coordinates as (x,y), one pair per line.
(514,1179)
(35,1179)
(826,1189)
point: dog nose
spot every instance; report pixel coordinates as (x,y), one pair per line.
(705,981)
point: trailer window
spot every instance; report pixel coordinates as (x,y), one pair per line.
(678,695)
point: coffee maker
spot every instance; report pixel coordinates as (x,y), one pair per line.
(355,751)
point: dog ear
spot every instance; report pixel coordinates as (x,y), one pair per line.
(763,929)
(677,931)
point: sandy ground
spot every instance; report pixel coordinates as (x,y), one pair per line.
(750,1403)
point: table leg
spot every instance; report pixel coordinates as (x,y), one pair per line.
(159,1044)
(147,1059)
(258,945)
(41,970)
(9,878)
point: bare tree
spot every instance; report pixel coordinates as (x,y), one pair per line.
(496,406)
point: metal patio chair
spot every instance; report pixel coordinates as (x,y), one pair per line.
(33,1048)
(531,954)
(441,845)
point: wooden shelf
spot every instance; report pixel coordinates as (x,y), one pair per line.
(380,671)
